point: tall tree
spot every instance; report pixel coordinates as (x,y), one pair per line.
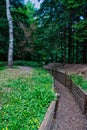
(70,18)
(10,23)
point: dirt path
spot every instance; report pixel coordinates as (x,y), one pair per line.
(69,115)
(25,69)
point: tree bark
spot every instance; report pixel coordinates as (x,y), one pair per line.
(10,23)
(70,43)
(64,45)
(77,51)
(84,52)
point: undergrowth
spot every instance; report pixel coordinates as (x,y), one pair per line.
(26,63)
(2,65)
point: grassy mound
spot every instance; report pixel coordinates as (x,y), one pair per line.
(80,81)
(24,98)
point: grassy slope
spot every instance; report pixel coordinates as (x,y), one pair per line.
(24,98)
(79,80)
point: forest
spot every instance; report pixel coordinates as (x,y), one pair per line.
(43,65)
(55,32)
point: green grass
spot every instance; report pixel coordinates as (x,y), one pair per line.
(24,98)
(79,80)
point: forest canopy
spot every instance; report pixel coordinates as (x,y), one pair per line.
(55,32)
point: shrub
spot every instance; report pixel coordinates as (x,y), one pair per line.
(2,63)
(26,63)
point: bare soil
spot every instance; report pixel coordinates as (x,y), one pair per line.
(70,68)
(77,68)
(25,69)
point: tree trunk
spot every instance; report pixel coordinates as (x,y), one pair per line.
(10,23)
(64,45)
(84,52)
(77,51)
(61,47)
(70,43)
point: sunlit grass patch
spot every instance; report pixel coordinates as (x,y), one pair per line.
(24,98)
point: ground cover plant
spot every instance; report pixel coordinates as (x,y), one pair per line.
(24,98)
(80,81)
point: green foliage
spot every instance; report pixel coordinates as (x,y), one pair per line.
(57,33)
(24,99)
(24,13)
(81,31)
(2,63)
(26,63)
(23,26)
(62,27)
(79,80)
(4,31)
(46,43)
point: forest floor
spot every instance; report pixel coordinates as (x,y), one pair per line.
(69,115)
